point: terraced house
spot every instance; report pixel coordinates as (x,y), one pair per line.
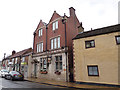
(19,61)
(97,56)
(52,48)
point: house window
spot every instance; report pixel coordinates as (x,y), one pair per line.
(13,60)
(117,39)
(55,25)
(40,47)
(58,62)
(43,64)
(16,60)
(55,43)
(23,59)
(40,32)
(51,43)
(93,70)
(89,44)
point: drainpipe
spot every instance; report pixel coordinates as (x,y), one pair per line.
(64,22)
(46,37)
(34,41)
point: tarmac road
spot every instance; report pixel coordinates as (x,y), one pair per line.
(26,85)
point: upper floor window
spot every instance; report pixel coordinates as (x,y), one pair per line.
(55,25)
(93,70)
(40,47)
(55,43)
(117,39)
(40,32)
(89,44)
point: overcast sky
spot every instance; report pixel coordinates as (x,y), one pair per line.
(19,18)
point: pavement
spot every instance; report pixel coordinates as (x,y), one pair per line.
(69,84)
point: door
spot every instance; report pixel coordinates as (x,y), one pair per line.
(25,70)
(35,70)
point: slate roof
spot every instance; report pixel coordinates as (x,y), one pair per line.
(99,31)
(20,53)
(24,52)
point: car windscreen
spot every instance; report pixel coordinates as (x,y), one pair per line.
(4,70)
(14,72)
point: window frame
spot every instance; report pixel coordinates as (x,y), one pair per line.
(89,41)
(40,32)
(55,25)
(55,43)
(92,69)
(59,61)
(39,47)
(42,64)
(118,43)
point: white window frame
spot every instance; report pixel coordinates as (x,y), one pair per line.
(55,43)
(52,44)
(55,25)
(40,32)
(40,47)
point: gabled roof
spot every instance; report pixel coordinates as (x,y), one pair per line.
(99,31)
(54,16)
(41,24)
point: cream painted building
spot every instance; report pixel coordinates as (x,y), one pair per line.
(97,56)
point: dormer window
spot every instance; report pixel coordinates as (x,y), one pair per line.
(40,32)
(55,25)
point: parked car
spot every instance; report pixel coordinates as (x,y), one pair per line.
(3,72)
(14,75)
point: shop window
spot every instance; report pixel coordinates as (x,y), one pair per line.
(58,62)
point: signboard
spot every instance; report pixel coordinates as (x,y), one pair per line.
(23,63)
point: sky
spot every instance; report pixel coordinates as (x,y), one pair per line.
(19,18)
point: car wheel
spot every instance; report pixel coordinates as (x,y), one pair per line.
(11,78)
(5,77)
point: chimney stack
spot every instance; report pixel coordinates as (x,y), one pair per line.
(72,11)
(13,52)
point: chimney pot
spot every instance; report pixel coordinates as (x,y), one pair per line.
(13,52)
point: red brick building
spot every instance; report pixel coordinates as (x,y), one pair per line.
(52,47)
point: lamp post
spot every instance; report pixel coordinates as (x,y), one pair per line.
(64,22)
